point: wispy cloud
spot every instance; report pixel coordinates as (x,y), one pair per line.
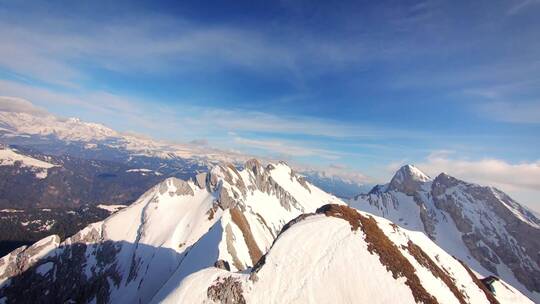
(54,54)
(338,170)
(516,112)
(152,114)
(520,180)
(286,149)
(520,5)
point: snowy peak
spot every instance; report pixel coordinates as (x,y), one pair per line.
(227,233)
(478,224)
(410,172)
(407,179)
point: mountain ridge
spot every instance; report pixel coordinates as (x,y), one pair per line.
(231,223)
(481,225)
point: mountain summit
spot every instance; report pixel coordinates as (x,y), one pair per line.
(480,225)
(407,179)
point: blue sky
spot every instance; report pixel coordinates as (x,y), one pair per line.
(449,85)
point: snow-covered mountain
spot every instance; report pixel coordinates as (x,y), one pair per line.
(258,235)
(480,225)
(175,227)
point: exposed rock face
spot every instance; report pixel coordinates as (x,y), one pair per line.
(493,231)
(516,245)
(23,258)
(56,273)
(226,291)
(200,180)
(182,187)
(259,179)
(221,264)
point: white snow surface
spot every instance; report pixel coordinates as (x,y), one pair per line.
(111,208)
(10,157)
(506,293)
(332,265)
(144,171)
(410,171)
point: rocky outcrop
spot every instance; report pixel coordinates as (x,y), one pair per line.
(226,291)
(259,179)
(180,187)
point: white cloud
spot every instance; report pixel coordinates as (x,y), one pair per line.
(521,5)
(487,171)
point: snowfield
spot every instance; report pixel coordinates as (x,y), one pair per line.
(10,157)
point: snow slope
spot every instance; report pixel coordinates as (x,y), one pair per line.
(482,226)
(10,157)
(350,259)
